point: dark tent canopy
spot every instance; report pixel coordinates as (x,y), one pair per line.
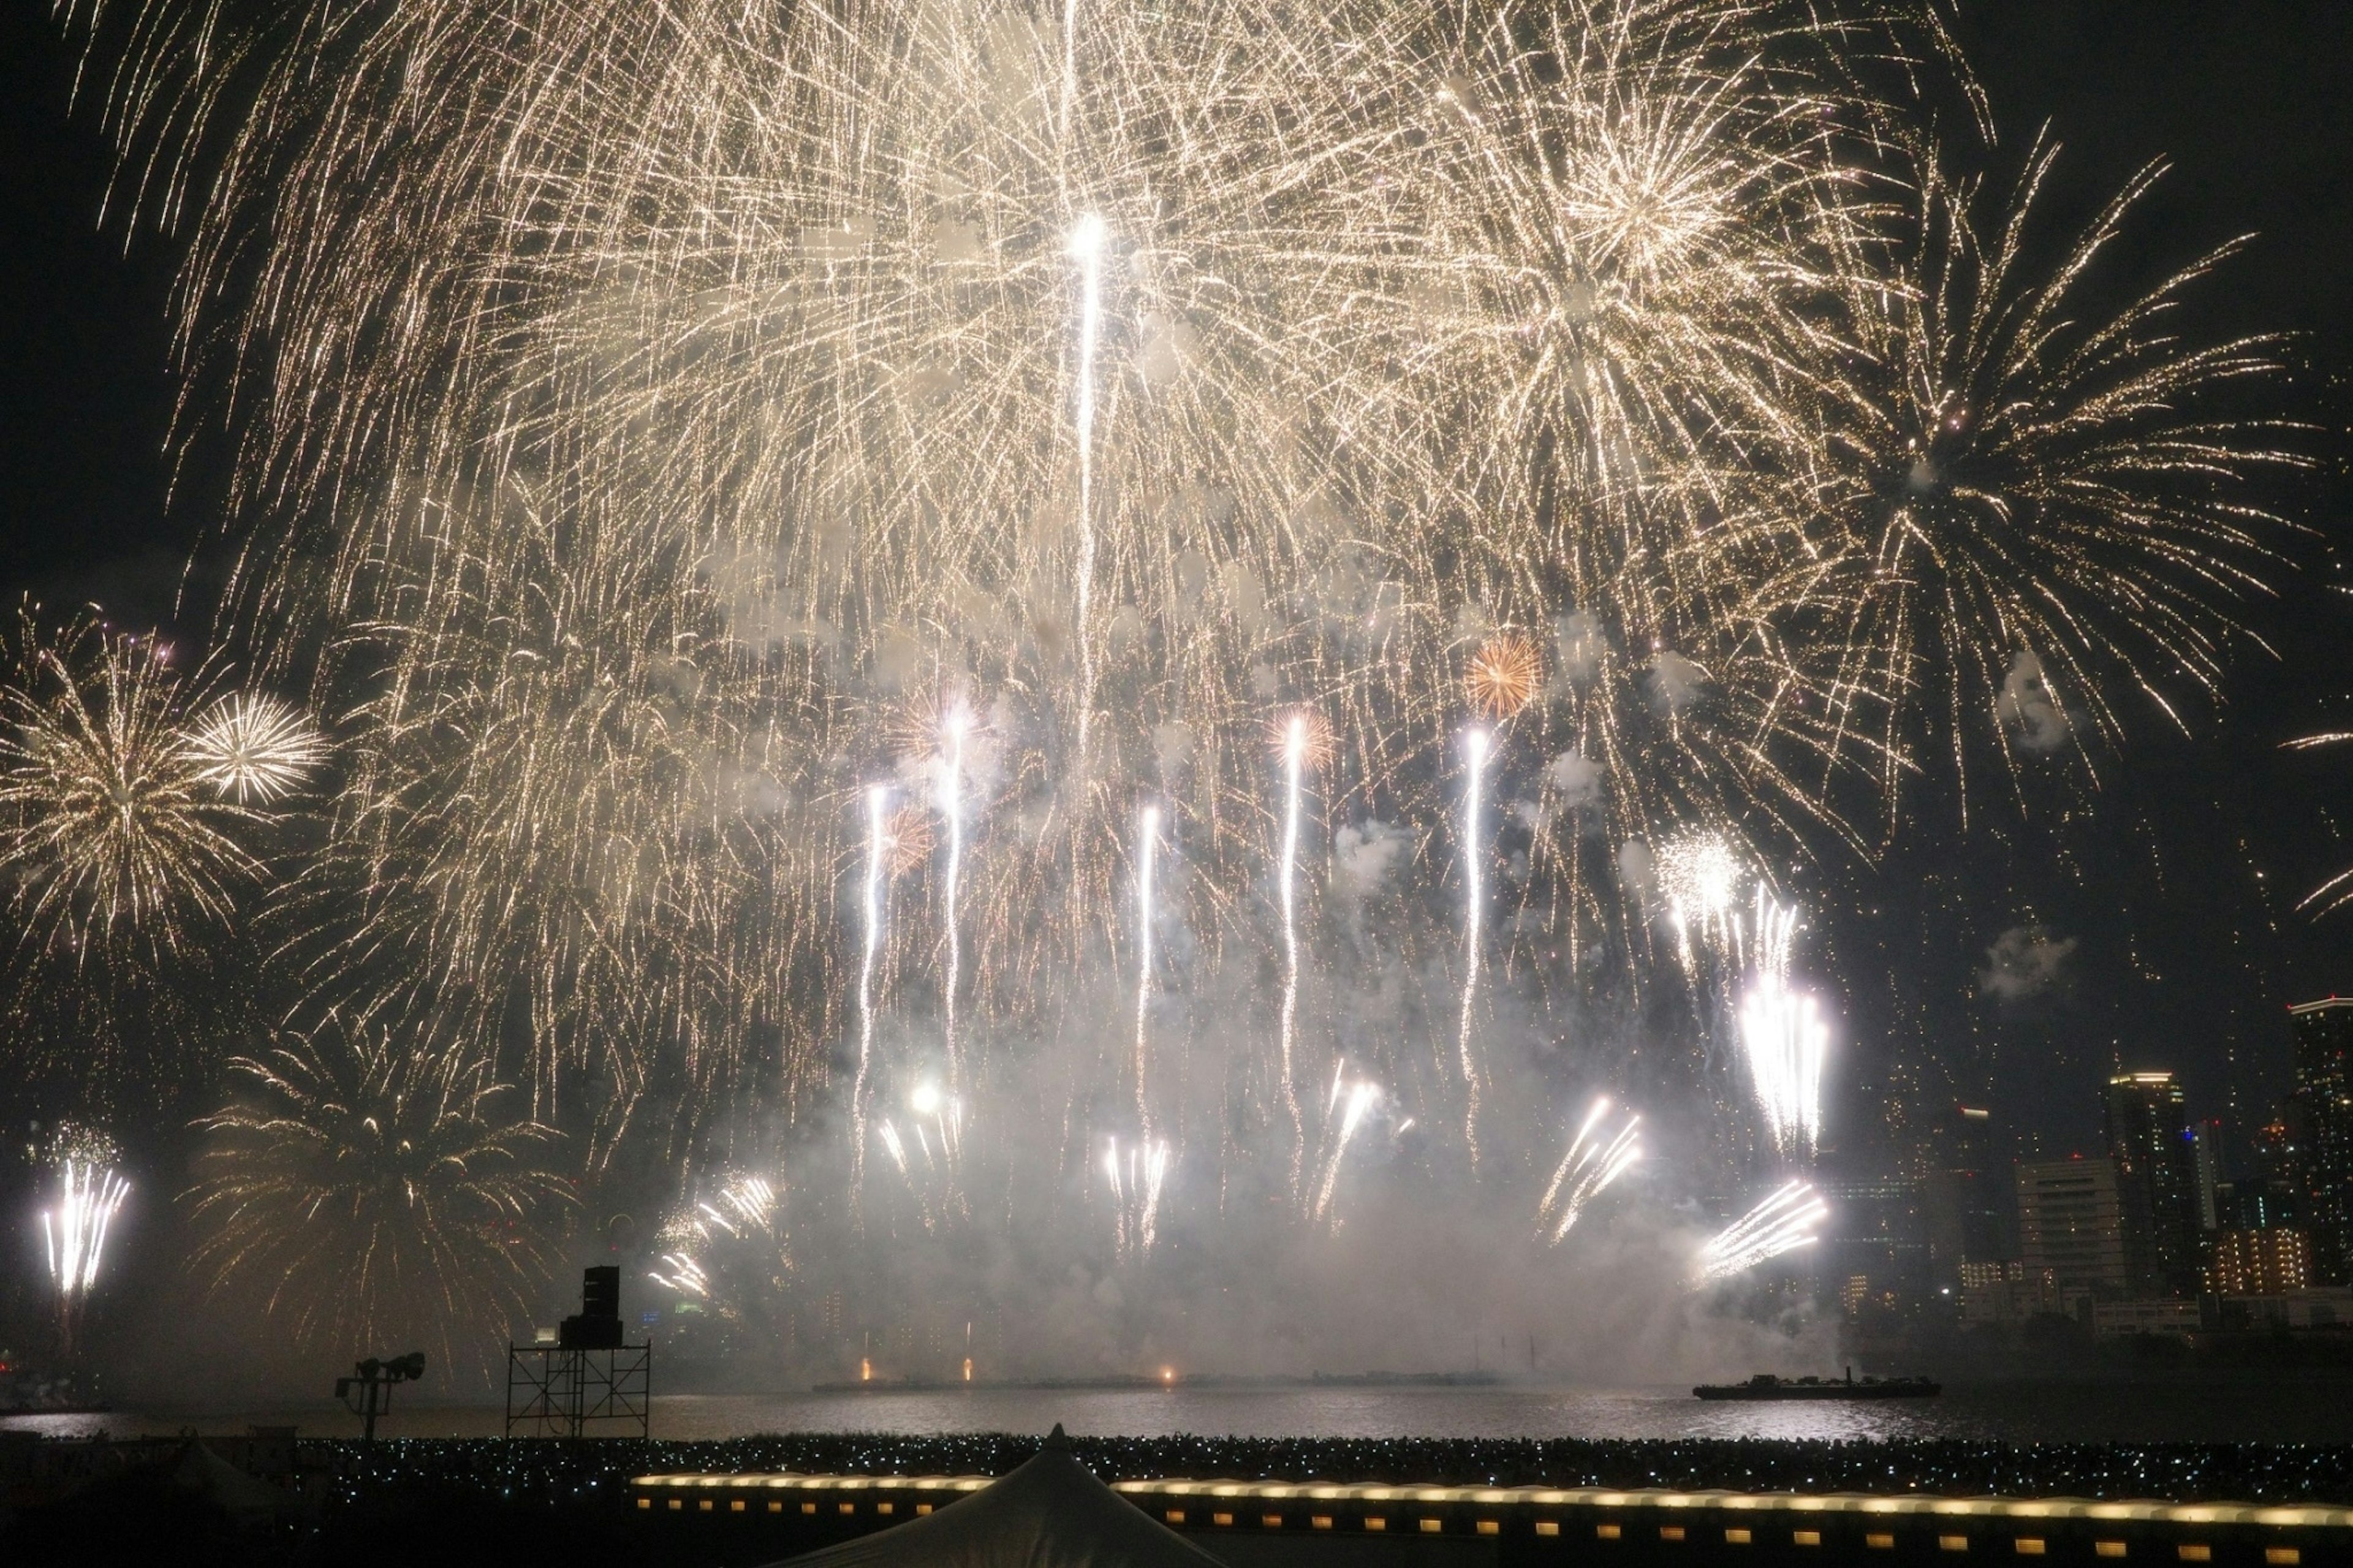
(1050,1513)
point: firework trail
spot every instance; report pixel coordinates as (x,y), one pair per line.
(877,801)
(930,1173)
(1147,848)
(1783,1222)
(1344,1113)
(1596,1157)
(1086,244)
(1294,761)
(73,1233)
(1135,1184)
(959,722)
(1475,743)
(1782,1035)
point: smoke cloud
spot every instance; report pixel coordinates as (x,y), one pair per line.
(2024,960)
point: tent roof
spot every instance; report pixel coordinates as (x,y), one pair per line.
(205,1473)
(1051,1513)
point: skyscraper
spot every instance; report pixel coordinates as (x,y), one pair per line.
(2156,1152)
(2071,1222)
(1968,1200)
(2323,1093)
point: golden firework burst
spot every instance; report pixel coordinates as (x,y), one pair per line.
(1504,675)
(1308,729)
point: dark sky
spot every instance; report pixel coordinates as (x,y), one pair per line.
(2183,955)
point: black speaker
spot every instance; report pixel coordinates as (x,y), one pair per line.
(583,1332)
(600,1292)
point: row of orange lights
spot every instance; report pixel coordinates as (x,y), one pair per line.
(1734,1535)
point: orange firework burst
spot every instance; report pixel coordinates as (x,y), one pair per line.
(911,840)
(1504,675)
(1313,733)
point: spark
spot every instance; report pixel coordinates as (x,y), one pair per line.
(1782,1223)
(1596,1157)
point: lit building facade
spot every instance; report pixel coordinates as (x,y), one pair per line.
(2259,1263)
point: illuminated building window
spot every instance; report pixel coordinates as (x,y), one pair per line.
(1547,1527)
(1607,1531)
(1952,1543)
(1432,1526)
(1879,1543)
(1319,1520)
(2283,1556)
(1221,1519)
(1271,1520)
(2029,1545)
(1735,1538)
(1175,1516)
(1671,1532)
(1375,1521)
(2189,1551)
(1806,1538)
(1491,1527)
(2109,1548)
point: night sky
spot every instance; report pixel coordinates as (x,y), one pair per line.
(2177,887)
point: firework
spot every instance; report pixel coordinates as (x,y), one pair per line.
(877,840)
(1783,1036)
(1782,1223)
(89,1193)
(110,824)
(2044,504)
(254,748)
(1135,1180)
(633,417)
(937,1120)
(1475,744)
(1294,763)
(1596,1157)
(366,1190)
(959,727)
(1147,848)
(1345,1111)
(1504,675)
(1700,877)
(911,838)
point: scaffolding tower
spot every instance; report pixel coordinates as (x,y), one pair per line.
(565,1391)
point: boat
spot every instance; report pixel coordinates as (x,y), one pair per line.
(1765,1385)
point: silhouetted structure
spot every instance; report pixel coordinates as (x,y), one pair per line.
(2324,1094)
(589,1376)
(371,1381)
(2156,1152)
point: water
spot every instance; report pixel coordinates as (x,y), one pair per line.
(2190,1408)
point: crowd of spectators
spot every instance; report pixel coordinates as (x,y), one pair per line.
(2178,1472)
